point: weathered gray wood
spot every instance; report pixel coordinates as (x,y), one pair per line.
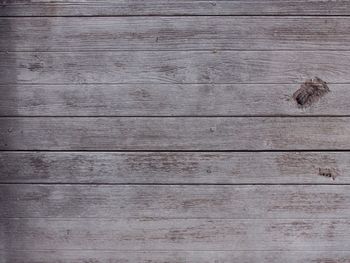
(60,222)
(171,201)
(98,256)
(173,7)
(133,133)
(173,33)
(176,234)
(166,100)
(174,168)
(174,67)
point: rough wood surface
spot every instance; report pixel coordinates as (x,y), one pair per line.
(177,202)
(172,7)
(174,33)
(167,131)
(174,168)
(202,134)
(167,100)
(170,234)
(98,256)
(174,67)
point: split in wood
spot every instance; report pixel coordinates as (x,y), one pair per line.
(310,92)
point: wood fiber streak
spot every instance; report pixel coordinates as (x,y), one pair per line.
(96,256)
(174,33)
(202,134)
(170,201)
(167,131)
(145,67)
(166,100)
(172,7)
(174,168)
(168,234)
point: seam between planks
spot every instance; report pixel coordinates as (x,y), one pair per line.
(175,116)
(178,15)
(171,184)
(180,151)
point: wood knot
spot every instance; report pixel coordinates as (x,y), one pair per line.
(327,172)
(310,92)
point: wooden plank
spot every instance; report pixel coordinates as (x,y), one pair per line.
(175,168)
(174,33)
(167,100)
(171,201)
(174,67)
(202,134)
(176,234)
(172,7)
(76,256)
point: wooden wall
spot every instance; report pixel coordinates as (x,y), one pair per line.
(166,131)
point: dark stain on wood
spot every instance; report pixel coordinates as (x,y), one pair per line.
(310,92)
(327,172)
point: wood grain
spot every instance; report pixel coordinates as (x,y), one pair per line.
(174,33)
(224,67)
(175,234)
(172,7)
(174,168)
(170,201)
(167,100)
(202,134)
(165,131)
(98,256)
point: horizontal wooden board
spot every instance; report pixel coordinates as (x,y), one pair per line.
(175,168)
(98,256)
(173,33)
(167,100)
(172,7)
(175,234)
(171,201)
(202,134)
(174,67)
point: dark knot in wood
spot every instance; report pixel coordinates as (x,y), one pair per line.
(327,172)
(310,92)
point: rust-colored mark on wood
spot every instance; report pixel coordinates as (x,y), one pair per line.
(310,92)
(327,172)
